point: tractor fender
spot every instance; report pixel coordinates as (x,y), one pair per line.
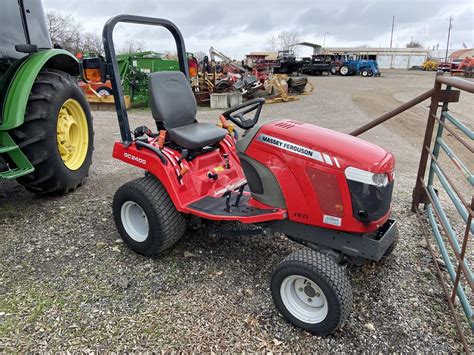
(148,160)
(19,90)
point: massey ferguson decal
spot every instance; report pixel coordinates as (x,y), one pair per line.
(298,149)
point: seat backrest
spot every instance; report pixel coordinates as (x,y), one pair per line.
(171,99)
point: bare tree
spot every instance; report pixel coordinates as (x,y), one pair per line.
(91,42)
(283,40)
(288,38)
(132,46)
(200,56)
(64,31)
(272,43)
(414,44)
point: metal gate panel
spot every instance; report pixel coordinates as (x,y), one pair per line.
(449,180)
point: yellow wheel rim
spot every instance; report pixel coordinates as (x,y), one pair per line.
(72,134)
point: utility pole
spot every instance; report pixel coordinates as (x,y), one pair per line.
(391,36)
(391,41)
(449,35)
(324,41)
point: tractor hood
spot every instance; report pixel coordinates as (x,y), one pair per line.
(333,149)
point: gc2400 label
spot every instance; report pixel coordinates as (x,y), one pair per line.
(134,158)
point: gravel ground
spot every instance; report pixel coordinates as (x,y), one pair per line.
(67,282)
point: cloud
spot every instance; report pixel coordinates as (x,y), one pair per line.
(237,28)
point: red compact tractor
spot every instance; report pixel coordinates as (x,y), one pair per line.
(326,190)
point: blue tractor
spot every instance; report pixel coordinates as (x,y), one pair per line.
(359,67)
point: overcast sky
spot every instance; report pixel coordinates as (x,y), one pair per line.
(239,27)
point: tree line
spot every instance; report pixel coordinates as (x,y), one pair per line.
(67,33)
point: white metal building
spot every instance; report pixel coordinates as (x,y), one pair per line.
(387,58)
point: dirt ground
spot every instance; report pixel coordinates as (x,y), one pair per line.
(67,282)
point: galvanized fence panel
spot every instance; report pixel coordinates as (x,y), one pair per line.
(447,221)
(453,246)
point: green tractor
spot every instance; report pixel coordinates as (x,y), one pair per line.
(46,133)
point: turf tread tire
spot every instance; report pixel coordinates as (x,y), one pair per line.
(167,225)
(331,273)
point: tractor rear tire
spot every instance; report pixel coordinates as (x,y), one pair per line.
(146,217)
(312,291)
(55,97)
(344,70)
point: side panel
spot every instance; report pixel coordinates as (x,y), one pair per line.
(20,88)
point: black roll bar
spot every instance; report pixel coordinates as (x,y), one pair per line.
(113,69)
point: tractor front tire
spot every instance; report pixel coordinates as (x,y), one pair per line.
(312,292)
(57,135)
(146,217)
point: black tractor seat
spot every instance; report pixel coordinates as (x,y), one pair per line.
(173,107)
(196,135)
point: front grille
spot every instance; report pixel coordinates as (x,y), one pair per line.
(369,202)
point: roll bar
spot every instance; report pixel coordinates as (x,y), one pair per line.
(113,69)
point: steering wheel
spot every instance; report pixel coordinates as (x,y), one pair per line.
(236,114)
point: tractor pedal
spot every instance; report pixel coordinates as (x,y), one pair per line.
(227,195)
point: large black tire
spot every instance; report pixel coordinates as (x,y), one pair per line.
(165,224)
(37,137)
(325,283)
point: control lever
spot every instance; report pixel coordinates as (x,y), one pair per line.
(239,196)
(226,160)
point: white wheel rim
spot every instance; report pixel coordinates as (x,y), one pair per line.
(304,299)
(135,221)
(344,70)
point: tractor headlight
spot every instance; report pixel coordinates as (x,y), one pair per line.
(380,179)
(366,177)
(370,194)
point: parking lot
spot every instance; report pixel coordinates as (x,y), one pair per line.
(68,282)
